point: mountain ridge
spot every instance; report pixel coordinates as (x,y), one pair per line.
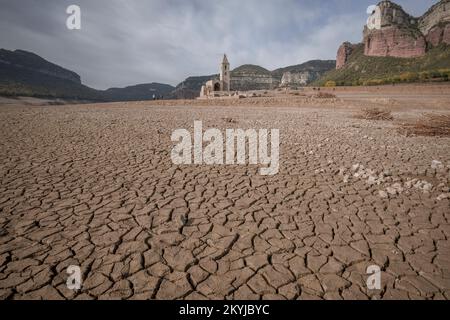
(255,77)
(28,74)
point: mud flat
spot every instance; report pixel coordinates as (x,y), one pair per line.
(94,186)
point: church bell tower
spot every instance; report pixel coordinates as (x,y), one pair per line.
(225,75)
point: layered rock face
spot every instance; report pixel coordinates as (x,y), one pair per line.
(344,51)
(437,14)
(398,34)
(251,77)
(439,34)
(303,74)
(393,41)
(299,78)
(435,24)
(245,82)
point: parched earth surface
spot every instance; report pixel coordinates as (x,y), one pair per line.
(94,186)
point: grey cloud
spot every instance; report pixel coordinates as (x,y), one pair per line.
(135,41)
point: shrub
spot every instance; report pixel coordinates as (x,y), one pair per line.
(429,125)
(375,114)
(325,95)
(409,77)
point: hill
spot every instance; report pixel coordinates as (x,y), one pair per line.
(24,73)
(369,70)
(303,74)
(190,88)
(319,66)
(244,77)
(138,92)
(254,77)
(396,47)
(250,69)
(28,61)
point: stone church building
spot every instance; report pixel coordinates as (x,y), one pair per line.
(221,86)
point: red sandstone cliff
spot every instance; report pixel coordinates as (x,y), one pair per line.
(394,41)
(439,34)
(345,50)
(401,35)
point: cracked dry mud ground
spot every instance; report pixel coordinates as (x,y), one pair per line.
(94,186)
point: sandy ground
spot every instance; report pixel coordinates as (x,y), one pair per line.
(94,186)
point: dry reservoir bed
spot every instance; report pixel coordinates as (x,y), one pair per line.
(94,186)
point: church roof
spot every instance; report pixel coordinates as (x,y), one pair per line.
(225,59)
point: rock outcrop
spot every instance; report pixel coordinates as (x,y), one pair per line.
(394,41)
(395,33)
(299,79)
(435,24)
(398,36)
(296,78)
(437,15)
(303,74)
(344,51)
(439,34)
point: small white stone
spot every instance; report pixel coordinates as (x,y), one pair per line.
(443,196)
(409,183)
(383,194)
(372,180)
(435,164)
(391,191)
(427,187)
(397,186)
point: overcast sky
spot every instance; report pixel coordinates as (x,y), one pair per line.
(126,42)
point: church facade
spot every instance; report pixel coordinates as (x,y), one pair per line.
(221,86)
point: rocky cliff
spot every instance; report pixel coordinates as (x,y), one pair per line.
(395,33)
(303,74)
(298,78)
(398,34)
(437,15)
(439,34)
(361,69)
(344,52)
(394,41)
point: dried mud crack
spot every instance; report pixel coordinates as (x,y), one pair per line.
(94,186)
